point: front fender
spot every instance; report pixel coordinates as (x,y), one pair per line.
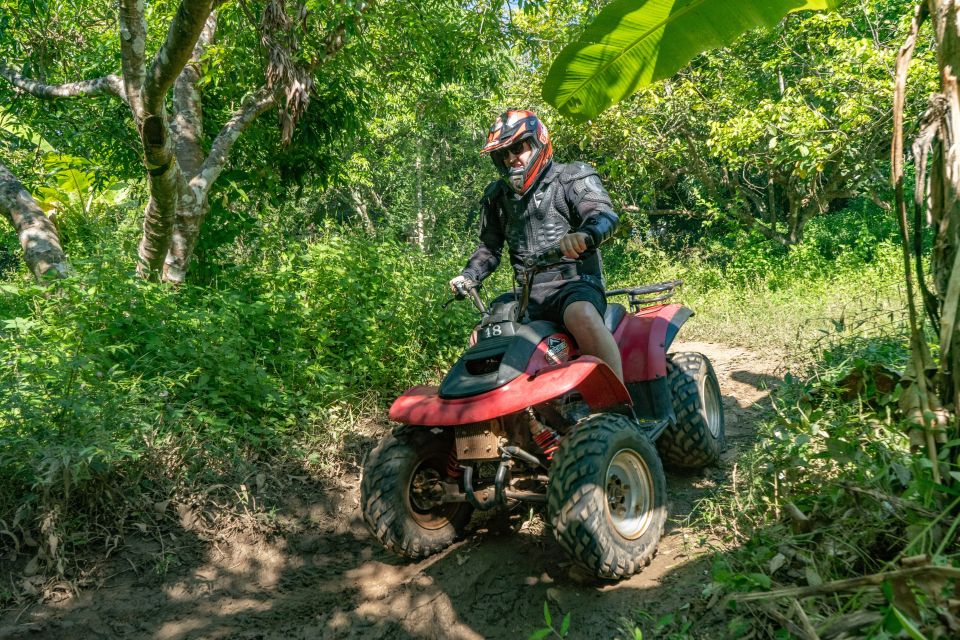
(595,381)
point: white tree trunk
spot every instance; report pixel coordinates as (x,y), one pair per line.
(421,225)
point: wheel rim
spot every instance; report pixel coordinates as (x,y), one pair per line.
(629,487)
(712,406)
(425,498)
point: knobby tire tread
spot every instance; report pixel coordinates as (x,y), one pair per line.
(688,443)
(577,506)
(389,466)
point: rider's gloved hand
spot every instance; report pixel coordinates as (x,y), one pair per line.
(461,285)
(573,244)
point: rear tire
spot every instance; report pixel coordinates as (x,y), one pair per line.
(607,496)
(398,494)
(698,436)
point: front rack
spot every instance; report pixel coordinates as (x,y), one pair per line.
(639,295)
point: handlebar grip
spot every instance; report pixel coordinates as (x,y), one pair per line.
(549,256)
(553,255)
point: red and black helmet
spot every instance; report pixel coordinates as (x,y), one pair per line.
(515,126)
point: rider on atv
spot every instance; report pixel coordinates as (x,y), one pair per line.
(524,415)
(538,204)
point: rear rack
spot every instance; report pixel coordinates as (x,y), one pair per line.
(638,294)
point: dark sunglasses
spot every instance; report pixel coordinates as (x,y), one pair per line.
(516,149)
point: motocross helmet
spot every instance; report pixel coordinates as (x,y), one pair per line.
(515,126)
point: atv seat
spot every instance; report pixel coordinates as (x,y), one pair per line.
(613,315)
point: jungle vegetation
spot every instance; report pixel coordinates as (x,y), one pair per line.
(233,222)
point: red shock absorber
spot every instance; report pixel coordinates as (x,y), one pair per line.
(547,440)
(454,470)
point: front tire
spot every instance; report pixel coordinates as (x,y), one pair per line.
(399,494)
(698,436)
(607,496)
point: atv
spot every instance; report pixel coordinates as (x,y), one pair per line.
(523,417)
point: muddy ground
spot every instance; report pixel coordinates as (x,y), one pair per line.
(323,576)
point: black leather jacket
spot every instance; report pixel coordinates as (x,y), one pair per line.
(568,197)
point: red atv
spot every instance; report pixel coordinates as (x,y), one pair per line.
(522,416)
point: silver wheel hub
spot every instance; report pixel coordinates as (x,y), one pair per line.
(629,489)
(712,406)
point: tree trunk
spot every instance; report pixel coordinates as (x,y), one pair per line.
(420,228)
(165,188)
(361,208)
(193,203)
(931,393)
(38,236)
(179,176)
(186,231)
(945,200)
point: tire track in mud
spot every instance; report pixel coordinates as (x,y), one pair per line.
(330,578)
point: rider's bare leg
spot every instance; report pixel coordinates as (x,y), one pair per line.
(594,339)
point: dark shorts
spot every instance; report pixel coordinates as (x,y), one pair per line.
(549,300)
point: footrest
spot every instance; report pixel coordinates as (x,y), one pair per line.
(653,428)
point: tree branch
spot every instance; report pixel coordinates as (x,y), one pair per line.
(361,209)
(187,124)
(38,236)
(184,31)
(133,44)
(848,584)
(744,188)
(253,105)
(193,204)
(688,213)
(111,84)
(752,222)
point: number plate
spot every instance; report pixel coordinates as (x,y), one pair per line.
(496,330)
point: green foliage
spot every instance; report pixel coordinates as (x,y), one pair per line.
(630,45)
(404,86)
(773,131)
(65,41)
(105,373)
(672,626)
(736,281)
(549,631)
(300,321)
(836,452)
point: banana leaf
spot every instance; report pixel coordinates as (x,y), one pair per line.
(633,43)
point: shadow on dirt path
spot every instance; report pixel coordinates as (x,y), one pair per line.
(329,579)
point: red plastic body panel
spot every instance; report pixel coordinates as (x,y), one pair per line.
(595,381)
(643,340)
(543,357)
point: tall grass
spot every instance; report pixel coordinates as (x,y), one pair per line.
(748,291)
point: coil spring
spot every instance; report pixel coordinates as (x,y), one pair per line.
(454,470)
(547,440)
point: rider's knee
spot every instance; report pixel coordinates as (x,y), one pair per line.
(581,315)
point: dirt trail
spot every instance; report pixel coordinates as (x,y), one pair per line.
(330,579)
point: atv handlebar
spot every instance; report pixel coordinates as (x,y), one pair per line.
(468,289)
(532,265)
